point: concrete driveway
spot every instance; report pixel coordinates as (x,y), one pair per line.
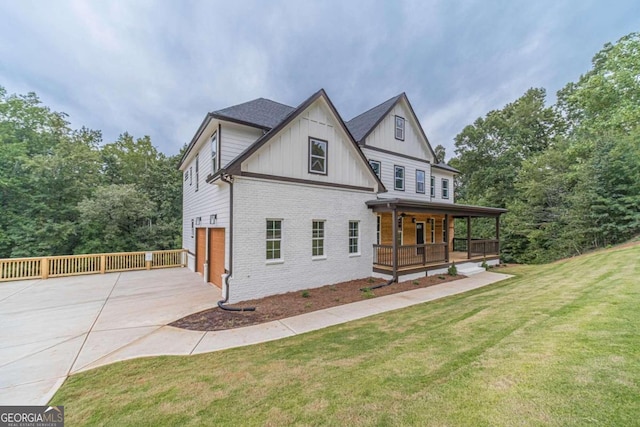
(51,328)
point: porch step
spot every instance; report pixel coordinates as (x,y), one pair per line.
(469,269)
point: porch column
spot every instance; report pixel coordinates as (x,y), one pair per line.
(394,234)
(446,237)
(469,237)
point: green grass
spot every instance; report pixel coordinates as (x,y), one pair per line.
(557,345)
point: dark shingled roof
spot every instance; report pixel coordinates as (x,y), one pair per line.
(445,167)
(262,112)
(361,125)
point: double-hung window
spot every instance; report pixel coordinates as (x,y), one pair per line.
(191,175)
(317,156)
(214,153)
(420,181)
(274,239)
(376,166)
(398,178)
(433,186)
(317,239)
(354,241)
(197,171)
(399,130)
(445,188)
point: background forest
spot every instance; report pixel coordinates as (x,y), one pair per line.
(568,172)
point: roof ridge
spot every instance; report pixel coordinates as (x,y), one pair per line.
(275,102)
(376,106)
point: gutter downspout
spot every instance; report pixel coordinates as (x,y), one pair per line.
(221,303)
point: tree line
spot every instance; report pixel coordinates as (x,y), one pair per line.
(569,173)
(62,191)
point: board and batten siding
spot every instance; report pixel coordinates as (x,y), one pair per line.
(387,172)
(287,154)
(297,205)
(383,136)
(235,139)
(208,200)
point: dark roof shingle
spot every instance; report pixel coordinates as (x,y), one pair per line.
(262,112)
(361,125)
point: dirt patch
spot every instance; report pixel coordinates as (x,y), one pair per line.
(293,303)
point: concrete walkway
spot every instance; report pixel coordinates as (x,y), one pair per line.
(51,330)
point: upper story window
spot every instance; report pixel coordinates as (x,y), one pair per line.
(191,175)
(317,156)
(214,153)
(420,181)
(317,238)
(398,182)
(197,171)
(433,186)
(274,239)
(376,166)
(445,188)
(186,174)
(399,128)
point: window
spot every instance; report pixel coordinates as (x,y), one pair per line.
(191,175)
(354,246)
(375,165)
(433,186)
(214,152)
(197,169)
(274,239)
(420,181)
(317,239)
(186,174)
(378,227)
(317,156)
(444,230)
(193,228)
(400,226)
(399,178)
(445,188)
(400,128)
(432,225)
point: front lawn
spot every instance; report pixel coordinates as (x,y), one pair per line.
(557,345)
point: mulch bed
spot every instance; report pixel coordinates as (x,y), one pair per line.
(293,303)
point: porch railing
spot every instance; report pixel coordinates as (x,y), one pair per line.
(485,247)
(410,255)
(73,265)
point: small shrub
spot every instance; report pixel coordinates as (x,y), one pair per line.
(305,294)
(415,282)
(453,270)
(484,264)
(368,293)
(371,280)
(441,277)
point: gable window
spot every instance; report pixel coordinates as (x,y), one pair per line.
(375,165)
(197,173)
(317,156)
(398,183)
(354,244)
(274,239)
(420,181)
(433,186)
(317,239)
(400,128)
(445,188)
(214,153)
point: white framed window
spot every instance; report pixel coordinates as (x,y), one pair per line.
(398,182)
(377,167)
(317,238)
(197,171)
(400,226)
(433,186)
(399,128)
(354,237)
(191,175)
(420,181)
(318,156)
(378,228)
(274,239)
(445,188)
(214,153)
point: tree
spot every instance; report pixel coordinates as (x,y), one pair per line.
(440,153)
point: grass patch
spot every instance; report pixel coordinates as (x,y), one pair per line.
(555,345)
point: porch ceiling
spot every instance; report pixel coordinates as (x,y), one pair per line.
(388,205)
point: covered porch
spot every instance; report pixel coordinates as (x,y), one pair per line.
(424,237)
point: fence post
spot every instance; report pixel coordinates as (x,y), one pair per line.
(44,267)
(103,264)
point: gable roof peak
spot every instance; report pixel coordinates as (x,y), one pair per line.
(362,125)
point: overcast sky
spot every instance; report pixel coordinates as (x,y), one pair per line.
(157,67)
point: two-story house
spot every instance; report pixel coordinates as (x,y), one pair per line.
(279,198)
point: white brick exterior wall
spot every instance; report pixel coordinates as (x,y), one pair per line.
(297,205)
